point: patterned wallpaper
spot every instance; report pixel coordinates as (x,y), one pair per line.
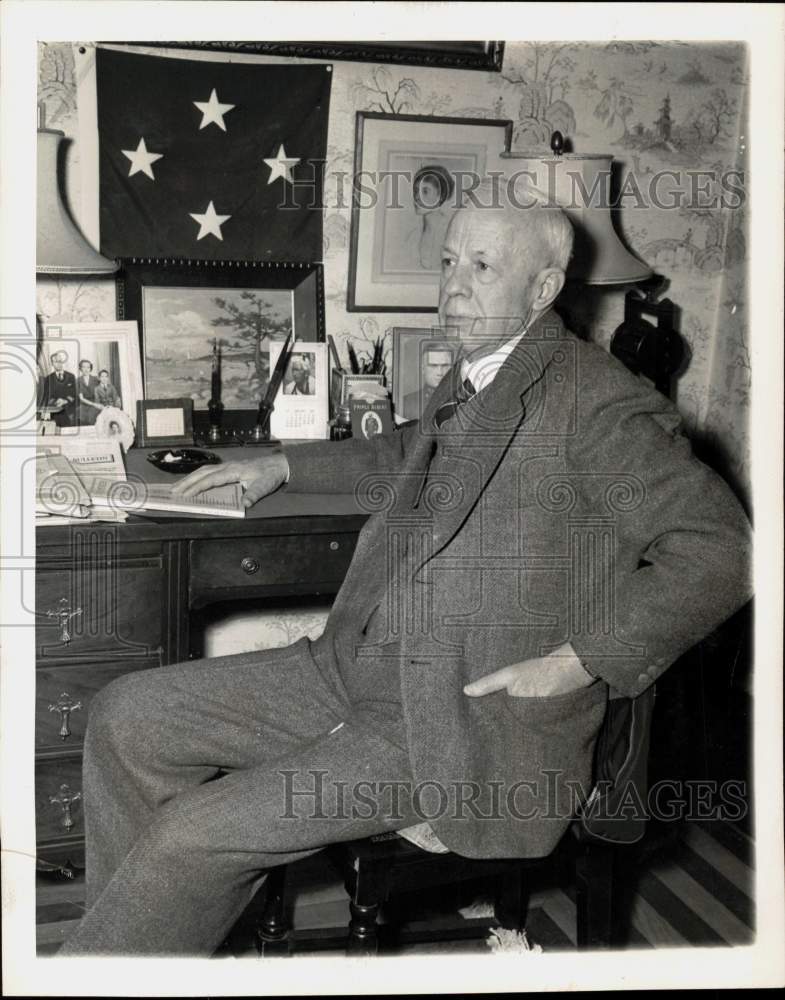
(655,106)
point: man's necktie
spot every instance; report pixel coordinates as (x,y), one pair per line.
(464,393)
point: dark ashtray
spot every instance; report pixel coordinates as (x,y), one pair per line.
(182,460)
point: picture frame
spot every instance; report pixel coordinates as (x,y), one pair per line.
(409,172)
(455,54)
(105,363)
(342,383)
(164,423)
(421,359)
(182,306)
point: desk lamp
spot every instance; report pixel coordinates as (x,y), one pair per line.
(580,184)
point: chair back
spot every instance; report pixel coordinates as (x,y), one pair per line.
(616,810)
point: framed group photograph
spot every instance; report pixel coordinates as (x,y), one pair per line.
(86,369)
(183,307)
(410,172)
(421,359)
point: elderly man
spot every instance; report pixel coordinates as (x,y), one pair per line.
(58,391)
(548,541)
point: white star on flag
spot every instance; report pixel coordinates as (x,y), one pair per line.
(281,165)
(141,160)
(213,111)
(209,223)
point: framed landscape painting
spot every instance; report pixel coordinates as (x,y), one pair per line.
(410,174)
(183,307)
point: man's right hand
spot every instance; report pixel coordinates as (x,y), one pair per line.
(259,476)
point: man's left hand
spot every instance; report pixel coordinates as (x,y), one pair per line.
(557,673)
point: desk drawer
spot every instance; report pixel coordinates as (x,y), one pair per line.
(282,561)
(90,611)
(60,780)
(63,696)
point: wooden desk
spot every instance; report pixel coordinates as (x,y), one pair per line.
(115,598)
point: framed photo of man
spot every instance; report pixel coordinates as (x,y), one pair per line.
(421,359)
(410,174)
(85,368)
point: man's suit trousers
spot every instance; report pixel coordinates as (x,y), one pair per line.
(199,777)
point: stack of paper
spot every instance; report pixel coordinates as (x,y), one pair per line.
(67,470)
(84,479)
(59,492)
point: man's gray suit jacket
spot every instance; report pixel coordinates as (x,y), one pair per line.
(561,503)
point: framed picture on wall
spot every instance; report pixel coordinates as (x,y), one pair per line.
(409,173)
(86,368)
(182,307)
(421,359)
(454,54)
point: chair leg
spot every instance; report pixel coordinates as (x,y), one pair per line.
(512,899)
(272,933)
(366,894)
(594,895)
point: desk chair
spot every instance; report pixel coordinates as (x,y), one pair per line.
(377,868)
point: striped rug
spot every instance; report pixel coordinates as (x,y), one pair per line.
(697,891)
(696,888)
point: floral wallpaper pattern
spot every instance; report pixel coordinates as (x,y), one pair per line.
(654,106)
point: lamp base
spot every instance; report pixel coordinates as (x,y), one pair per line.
(657,352)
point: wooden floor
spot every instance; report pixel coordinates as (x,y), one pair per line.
(693,886)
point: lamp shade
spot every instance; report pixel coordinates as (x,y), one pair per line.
(581,186)
(60,247)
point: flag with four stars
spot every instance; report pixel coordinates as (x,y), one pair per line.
(210,160)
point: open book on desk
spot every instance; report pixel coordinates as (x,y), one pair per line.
(138,497)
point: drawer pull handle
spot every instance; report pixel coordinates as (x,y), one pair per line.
(64,614)
(65,800)
(334,546)
(65,706)
(250,565)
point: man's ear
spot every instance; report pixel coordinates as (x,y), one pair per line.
(547,285)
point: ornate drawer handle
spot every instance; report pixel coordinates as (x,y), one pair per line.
(63,614)
(65,800)
(250,565)
(334,546)
(65,706)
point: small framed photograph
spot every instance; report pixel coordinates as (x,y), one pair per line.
(421,359)
(344,384)
(410,173)
(300,406)
(165,423)
(86,368)
(182,307)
